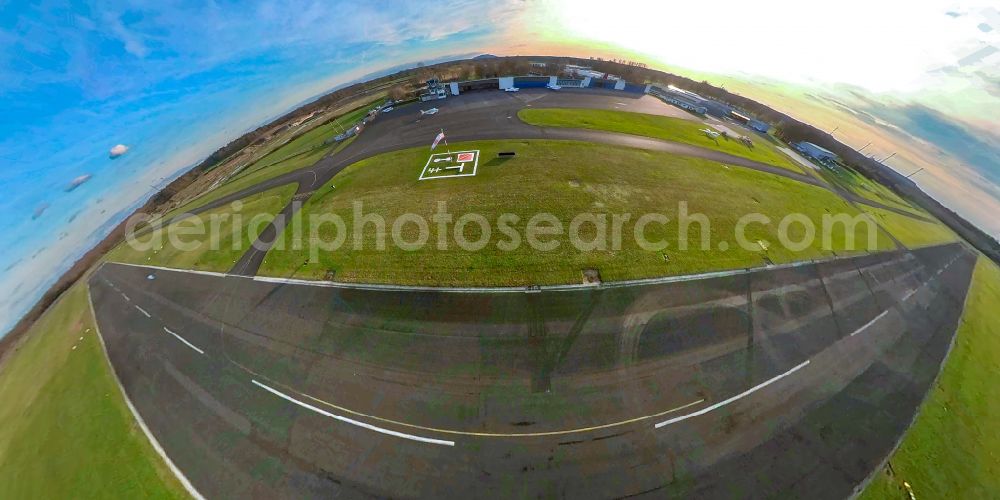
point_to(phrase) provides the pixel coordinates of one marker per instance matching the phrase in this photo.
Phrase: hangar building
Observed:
(685, 99)
(814, 151)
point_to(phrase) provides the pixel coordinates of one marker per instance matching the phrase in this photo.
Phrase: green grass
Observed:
(66, 432)
(251, 180)
(258, 207)
(913, 233)
(308, 141)
(860, 185)
(301, 152)
(658, 127)
(953, 448)
(565, 179)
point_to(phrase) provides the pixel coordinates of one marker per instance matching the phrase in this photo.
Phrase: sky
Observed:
(175, 81)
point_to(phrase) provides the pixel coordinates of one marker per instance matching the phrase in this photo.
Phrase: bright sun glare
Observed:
(890, 47)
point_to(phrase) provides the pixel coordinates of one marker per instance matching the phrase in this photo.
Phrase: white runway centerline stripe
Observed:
(182, 339)
(870, 323)
(126, 297)
(724, 402)
(143, 311)
(351, 421)
(910, 294)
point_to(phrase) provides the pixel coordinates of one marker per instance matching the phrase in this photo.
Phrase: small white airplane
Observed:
(511, 89)
(710, 133)
(431, 111)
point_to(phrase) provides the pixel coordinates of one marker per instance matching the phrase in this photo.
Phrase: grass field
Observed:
(251, 180)
(308, 141)
(953, 448)
(911, 232)
(862, 186)
(258, 207)
(659, 127)
(564, 179)
(66, 431)
(299, 153)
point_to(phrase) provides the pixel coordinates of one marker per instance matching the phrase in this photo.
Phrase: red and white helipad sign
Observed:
(457, 164)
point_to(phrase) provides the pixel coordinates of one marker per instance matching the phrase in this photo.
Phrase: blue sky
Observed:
(176, 81)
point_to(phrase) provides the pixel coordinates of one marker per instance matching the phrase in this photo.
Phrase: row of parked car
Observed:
(550, 86)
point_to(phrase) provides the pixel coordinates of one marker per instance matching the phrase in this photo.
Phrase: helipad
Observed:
(451, 164)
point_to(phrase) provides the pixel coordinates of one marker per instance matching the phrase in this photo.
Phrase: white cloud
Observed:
(133, 42)
(118, 150)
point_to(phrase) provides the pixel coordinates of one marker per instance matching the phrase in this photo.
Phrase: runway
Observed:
(787, 381)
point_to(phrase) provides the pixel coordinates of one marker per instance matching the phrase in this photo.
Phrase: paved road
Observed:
(792, 381)
(484, 116)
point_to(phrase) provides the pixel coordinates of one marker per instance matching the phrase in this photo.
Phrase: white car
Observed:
(431, 111)
(553, 86)
(511, 89)
(388, 109)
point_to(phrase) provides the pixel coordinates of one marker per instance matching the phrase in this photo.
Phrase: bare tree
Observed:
(506, 67)
(397, 93)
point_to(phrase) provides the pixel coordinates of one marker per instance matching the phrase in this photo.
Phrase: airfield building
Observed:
(759, 126)
(816, 152)
(435, 90)
(679, 99)
(740, 118)
(690, 101)
(750, 122)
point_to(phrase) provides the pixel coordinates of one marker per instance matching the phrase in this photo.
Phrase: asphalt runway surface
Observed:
(490, 115)
(787, 381)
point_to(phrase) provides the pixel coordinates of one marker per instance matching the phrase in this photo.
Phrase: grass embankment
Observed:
(860, 185)
(308, 142)
(913, 233)
(659, 127)
(564, 179)
(248, 181)
(211, 249)
(66, 432)
(301, 152)
(953, 448)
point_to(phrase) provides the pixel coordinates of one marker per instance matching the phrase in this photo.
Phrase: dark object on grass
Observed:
(506, 154)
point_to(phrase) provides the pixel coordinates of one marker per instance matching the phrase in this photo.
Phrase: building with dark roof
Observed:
(685, 99)
(817, 152)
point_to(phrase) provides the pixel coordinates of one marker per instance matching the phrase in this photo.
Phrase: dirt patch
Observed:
(591, 277)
